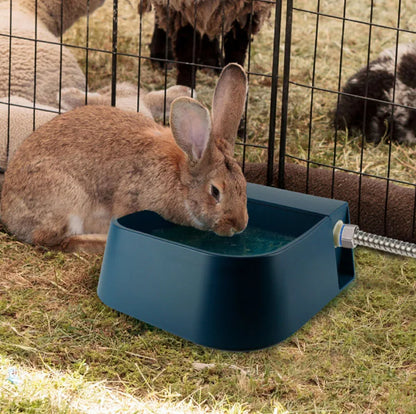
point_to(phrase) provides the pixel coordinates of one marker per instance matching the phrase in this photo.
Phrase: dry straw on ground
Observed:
(74, 355)
(310, 131)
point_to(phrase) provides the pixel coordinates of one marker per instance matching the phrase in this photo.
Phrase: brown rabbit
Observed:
(77, 171)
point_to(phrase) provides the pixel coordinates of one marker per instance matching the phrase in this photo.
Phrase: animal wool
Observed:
(376, 116)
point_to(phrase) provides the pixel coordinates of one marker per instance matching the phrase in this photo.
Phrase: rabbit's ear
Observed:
(228, 102)
(191, 126)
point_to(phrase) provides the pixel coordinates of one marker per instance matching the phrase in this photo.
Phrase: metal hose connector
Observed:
(385, 244)
(349, 236)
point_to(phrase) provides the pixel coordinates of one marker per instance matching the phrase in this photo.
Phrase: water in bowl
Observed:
(252, 241)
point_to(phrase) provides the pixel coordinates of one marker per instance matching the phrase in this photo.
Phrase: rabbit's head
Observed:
(216, 188)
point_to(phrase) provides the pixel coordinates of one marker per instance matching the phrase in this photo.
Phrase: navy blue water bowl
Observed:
(242, 293)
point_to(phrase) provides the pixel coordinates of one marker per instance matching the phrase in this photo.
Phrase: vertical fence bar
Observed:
(315, 52)
(285, 94)
(273, 97)
(9, 86)
(35, 65)
(222, 33)
(396, 59)
(61, 52)
(370, 31)
(139, 62)
(87, 45)
(245, 117)
(167, 37)
(194, 40)
(341, 57)
(114, 56)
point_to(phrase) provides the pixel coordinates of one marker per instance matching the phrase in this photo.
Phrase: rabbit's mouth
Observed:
(231, 226)
(228, 231)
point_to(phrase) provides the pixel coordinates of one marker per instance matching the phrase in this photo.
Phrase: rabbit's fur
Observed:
(77, 171)
(378, 85)
(19, 121)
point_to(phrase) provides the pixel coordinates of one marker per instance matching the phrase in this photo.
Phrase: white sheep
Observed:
(18, 116)
(55, 66)
(154, 104)
(237, 20)
(50, 75)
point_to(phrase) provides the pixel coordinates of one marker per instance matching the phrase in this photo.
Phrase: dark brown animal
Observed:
(194, 27)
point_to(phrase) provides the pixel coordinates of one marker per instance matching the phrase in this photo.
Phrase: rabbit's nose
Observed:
(239, 225)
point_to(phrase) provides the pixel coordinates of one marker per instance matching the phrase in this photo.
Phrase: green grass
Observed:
(73, 353)
(358, 355)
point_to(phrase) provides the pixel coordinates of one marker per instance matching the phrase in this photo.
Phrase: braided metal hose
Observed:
(350, 236)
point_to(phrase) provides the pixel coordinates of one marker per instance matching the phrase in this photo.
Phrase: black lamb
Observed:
(369, 94)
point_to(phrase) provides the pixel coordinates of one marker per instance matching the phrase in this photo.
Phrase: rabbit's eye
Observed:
(215, 193)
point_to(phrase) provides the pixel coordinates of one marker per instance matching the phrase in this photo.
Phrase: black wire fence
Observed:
(369, 44)
(314, 49)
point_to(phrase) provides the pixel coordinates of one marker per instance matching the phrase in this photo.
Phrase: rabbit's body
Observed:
(84, 190)
(77, 171)
(19, 121)
(378, 84)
